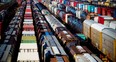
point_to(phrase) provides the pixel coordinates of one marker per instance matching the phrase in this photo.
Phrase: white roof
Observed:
(28, 20)
(22, 56)
(80, 48)
(27, 12)
(65, 32)
(28, 46)
(98, 27)
(28, 6)
(89, 57)
(113, 24)
(107, 17)
(28, 32)
(54, 22)
(110, 32)
(68, 36)
(55, 50)
(80, 58)
(44, 11)
(96, 19)
(89, 22)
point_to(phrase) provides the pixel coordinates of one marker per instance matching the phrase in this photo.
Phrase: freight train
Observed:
(67, 38)
(6, 10)
(12, 35)
(68, 13)
(91, 32)
(51, 50)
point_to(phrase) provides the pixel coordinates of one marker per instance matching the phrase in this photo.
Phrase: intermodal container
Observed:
(109, 43)
(87, 27)
(96, 35)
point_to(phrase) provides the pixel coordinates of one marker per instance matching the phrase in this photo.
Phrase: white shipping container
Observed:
(72, 4)
(28, 33)
(87, 27)
(96, 10)
(28, 12)
(78, 13)
(55, 10)
(89, 57)
(55, 50)
(80, 48)
(50, 6)
(96, 35)
(28, 20)
(66, 17)
(81, 58)
(113, 24)
(67, 8)
(52, 9)
(96, 58)
(85, 7)
(96, 19)
(84, 58)
(30, 56)
(28, 46)
(28, 6)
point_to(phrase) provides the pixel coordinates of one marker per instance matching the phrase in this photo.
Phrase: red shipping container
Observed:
(28, 10)
(109, 12)
(99, 10)
(28, 27)
(101, 20)
(28, 15)
(104, 11)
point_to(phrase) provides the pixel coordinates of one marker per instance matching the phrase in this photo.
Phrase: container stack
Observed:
(28, 50)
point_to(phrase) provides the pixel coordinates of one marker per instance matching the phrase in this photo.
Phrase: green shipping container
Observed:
(28, 41)
(89, 8)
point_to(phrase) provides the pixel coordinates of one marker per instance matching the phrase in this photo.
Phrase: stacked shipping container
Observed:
(28, 50)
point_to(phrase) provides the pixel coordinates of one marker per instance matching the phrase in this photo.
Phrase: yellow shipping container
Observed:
(109, 43)
(28, 38)
(96, 35)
